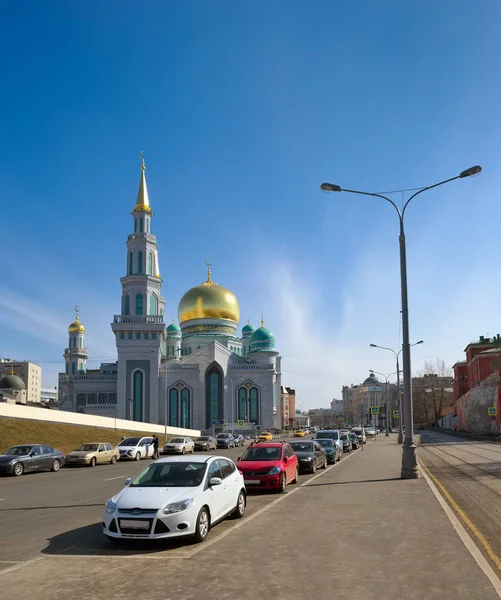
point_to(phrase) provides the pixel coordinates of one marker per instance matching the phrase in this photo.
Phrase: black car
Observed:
(347, 444)
(225, 440)
(310, 455)
(239, 440)
(27, 458)
(355, 442)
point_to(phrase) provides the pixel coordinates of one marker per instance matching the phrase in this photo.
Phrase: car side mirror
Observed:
(239, 458)
(127, 481)
(215, 481)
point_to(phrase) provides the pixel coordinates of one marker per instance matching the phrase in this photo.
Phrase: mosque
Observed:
(198, 374)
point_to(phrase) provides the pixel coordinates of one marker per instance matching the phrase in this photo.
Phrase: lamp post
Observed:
(409, 455)
(386, 377)
(232, 405)
(400, 412)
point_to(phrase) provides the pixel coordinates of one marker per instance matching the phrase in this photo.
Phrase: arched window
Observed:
(81, 343)
(137, 395)
(140, 261)
(131, 263)
(173, 412)
(73, 368)
(153, 305)
(126, 307)
(254, 405)
(242, 404)
(213, 395)
(81, 367)
(150, 263)
(67, 368)
(135, 225)
(139, 304)
(162, 312)
(185, 408)
(141, 224)
(147, 226)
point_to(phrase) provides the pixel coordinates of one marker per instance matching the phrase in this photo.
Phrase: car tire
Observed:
(296, 476)
(56, 465)
(314, 468)
(113, 460)
(18, 469)
(202, 526)
(92, 462)
(283, 484)
(183, 451)
(325, 464)
(138, 456)
(239, 511)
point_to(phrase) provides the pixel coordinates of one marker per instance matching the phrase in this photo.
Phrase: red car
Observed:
(269, 466)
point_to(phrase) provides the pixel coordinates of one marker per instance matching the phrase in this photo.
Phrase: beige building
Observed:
(288, 407)
(29, 372)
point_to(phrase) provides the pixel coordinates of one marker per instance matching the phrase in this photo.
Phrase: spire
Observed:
(209, 272)
(142, 202)
(262, 320)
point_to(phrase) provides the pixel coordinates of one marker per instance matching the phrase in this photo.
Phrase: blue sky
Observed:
(243, 109)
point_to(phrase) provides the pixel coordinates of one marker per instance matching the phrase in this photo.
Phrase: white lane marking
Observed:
(10, 562)
(465, 538)
(21, 565)
(112, 478)
(2, 499)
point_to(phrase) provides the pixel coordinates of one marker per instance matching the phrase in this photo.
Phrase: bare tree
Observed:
(432, 391)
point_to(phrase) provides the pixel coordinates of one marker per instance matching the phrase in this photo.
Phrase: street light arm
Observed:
(429, 187)
(385, 348)
(400, 215)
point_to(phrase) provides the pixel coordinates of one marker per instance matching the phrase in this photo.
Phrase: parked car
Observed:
(360, 433)
(299, 433)
(265, 436)
(178, 496)
(239, 440)
(370, 432)
(92, 454)
(225, 440)
(205, 442)
(347, 445)
(136, 448)
(27, 458)
(355, 443)
(311, 456)
(270, 466)
(330, 448)
(334, 435)
(179, 445)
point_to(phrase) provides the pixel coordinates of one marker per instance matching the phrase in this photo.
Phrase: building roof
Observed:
(11, 382)
(142, 202)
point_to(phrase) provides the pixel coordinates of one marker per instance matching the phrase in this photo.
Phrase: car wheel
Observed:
(325, 464)
(202, 525)
(296, 476)
(314, 467)
(56, 465)
(92, 462)
(138, 456)
(239, 511)
(283, 484)
(113, 460)
(183, 451)
(18, 469)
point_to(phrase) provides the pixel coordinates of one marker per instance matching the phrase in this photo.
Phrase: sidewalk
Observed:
(357, 532)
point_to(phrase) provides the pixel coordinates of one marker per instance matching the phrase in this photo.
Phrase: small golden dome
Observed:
(209, 301)
(76, 326)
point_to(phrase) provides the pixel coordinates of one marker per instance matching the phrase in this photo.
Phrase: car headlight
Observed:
(176, 507)
(110, 507)
(130, 452)
(274, 471)
(307, 458)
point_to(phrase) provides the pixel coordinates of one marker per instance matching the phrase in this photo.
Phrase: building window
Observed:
(67, 368)
(141, 225)
(153, 336)
(138, 335)
(126, 306)
(173, 394)
(147, 226)
(242, 404)
(254, 405)
(81, 368)
(150, 263)
(122, 335)
(185, 408)
(81, 342)
(131, 263)
(153, 305)
(73, 368)
(137, 398)
(146, 335)
(140, 261)
(139, 304)
(129, 335)
(214, 395)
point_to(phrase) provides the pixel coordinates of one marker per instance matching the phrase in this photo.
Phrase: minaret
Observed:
(76, 354)
(140, 328)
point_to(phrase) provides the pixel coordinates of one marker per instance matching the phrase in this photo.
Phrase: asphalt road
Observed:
(470, 472)
(61, 513)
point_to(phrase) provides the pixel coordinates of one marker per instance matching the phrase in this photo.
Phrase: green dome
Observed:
(174, 327)
(12, 382)
(248, 328)
(263, 334)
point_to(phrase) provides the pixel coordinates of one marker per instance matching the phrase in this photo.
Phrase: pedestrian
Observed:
(155, 454)
(455, 427)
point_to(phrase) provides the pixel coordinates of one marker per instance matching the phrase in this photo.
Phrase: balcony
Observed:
(246, 367)
(164, 368)
(76, 351)
(141, 236)
(139, 320)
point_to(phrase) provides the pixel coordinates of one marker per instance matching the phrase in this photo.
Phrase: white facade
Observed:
(197, 375)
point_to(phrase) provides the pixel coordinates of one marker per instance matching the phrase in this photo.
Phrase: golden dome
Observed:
(209, 301)
(76, 326)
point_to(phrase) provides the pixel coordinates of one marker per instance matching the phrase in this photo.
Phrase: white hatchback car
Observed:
(136, 448)
(176, 496)
(179, 445)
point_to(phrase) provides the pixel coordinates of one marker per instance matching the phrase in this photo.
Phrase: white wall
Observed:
(57, 416)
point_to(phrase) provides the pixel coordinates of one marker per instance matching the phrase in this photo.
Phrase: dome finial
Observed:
(11, 370)
(141, 156)
(75, 308)
(209, 272)
(142, 201)
(262, 320)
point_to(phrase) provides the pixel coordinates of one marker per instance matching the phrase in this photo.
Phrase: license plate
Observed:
(134, 524)
(252, 481)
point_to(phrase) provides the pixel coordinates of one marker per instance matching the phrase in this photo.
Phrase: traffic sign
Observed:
(374, 410)
(241, 423)
(493, 417)
(492, 411)
(396, 414)
(218, 422)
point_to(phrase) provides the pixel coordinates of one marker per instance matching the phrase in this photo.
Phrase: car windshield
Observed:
(333, 435)
(353, 436)
(171, 474)
(223, 436)
(176, 441)
(344, 437)
(130, 442)
(203, 439)
(262, 453)
(302, 446)
(357, 431)
(18, 451)
(88, 448)
(326, 442)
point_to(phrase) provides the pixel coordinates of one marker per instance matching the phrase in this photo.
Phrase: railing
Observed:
(245, 367)
(148, 320)
(141, 236)
(92, 377)
(80, 350)
(178, 368)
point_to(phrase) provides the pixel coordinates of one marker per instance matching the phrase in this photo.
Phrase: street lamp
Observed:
(400, 412)
(409, 455)
(386, 394)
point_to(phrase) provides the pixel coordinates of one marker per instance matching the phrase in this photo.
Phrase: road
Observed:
(470, 473)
